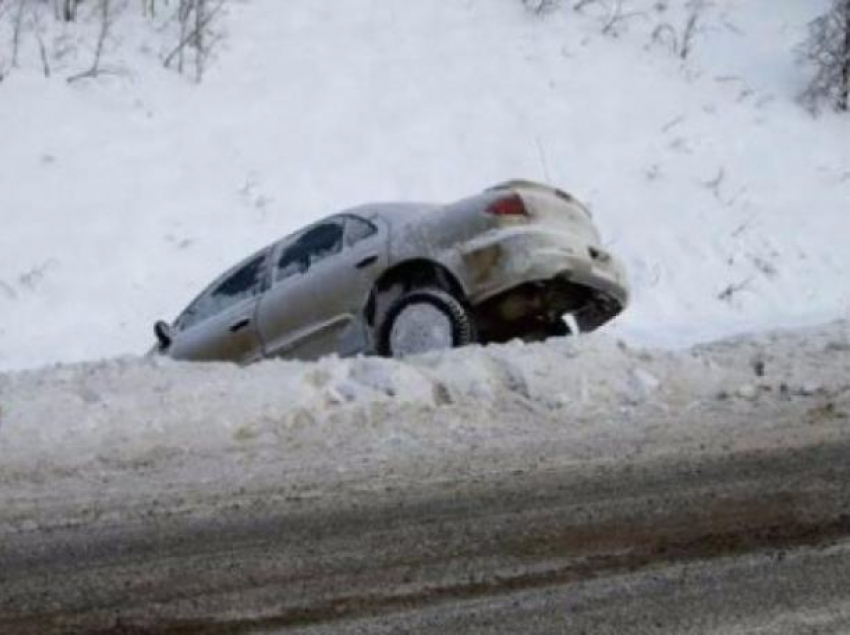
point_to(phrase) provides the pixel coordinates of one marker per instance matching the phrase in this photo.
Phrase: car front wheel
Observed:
(424, 320)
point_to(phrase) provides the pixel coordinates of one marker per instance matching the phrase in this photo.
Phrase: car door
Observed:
(220, 324)
(320, 282)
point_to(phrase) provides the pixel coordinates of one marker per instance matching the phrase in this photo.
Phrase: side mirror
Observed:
(162, 330)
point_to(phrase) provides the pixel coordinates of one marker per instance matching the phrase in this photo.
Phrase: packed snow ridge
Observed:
(144, 424)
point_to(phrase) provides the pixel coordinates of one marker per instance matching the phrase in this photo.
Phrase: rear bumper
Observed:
(512, 257)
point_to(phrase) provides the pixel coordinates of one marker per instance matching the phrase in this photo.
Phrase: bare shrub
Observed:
(694, 14)
(68, 10)
(615, 14)
(106, 19)
(197, 35)
(681, 41)
(827, 50)
(541, 7)
(618, 15)
(187, 31)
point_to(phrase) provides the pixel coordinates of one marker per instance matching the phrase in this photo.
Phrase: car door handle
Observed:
(370, 260)
(239, 325)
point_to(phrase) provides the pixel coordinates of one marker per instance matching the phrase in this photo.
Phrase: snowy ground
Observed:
(121, 197)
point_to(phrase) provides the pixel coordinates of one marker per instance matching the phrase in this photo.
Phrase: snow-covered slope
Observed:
(121, 197)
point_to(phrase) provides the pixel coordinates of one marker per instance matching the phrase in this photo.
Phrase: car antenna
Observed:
(541, 153)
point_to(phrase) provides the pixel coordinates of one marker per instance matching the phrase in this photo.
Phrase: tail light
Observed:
(511, 205)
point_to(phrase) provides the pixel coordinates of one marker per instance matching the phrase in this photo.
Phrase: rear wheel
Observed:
(424, 320)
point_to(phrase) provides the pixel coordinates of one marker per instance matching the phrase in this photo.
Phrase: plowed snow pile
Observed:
(87, 439)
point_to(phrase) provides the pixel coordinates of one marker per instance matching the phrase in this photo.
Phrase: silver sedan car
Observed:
(397, 279)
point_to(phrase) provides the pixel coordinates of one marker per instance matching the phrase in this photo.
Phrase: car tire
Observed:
(429, 319)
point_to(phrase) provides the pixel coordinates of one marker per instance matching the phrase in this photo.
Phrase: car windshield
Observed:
(242, 283)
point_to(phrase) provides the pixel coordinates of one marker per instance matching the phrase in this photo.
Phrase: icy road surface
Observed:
(575, 484)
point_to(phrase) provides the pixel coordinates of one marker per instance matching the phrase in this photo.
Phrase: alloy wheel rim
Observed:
(420, 328)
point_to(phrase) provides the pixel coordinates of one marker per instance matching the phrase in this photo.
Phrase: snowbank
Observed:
(103, 434)
(121, 197)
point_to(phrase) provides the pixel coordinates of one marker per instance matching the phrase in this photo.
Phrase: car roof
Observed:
(531, 185)
(393, 212)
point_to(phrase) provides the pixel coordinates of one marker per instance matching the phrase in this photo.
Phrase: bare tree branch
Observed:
(200, 27)
(16, 36)
(827, 49)
(618, 16)
(695, 9)
(541, 7)
(105, 26)
(42, 49)
(190, 38)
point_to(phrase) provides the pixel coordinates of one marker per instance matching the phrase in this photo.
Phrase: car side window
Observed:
(243, 283)
(357, 229)
(293, 259)
(312, 246)
(322, 241)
